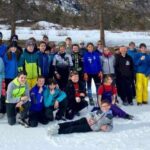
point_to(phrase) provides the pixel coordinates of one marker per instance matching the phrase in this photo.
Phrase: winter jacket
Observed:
(132, 54)
(142, 66)
(62, 61)
(92, 63)
(37, 99)
(30, 63)
(108, 64)
(43, 63)
(11, 66)
(49, 99)
(3, 49)
(15, 91)
(70, 91)
(77, 62)
(124, 67)
(101, 118)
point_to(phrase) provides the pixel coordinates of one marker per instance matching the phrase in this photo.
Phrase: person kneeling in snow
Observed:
(96, 121)
(108, 92)
(18, 98)
(54, 99)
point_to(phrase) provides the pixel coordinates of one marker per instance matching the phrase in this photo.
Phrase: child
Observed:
(92, 69)
(11, 59)
(99, 121)
(142, 62)
(63, 64)
(43, 61)
(75, 95)
(108, 92)
(36, 113)
(77, 61)
(1, 81)
(29, 62)
(18, 97)
(54, 99)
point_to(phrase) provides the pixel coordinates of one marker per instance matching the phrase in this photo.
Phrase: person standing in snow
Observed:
(142, 62)
(92, 69)
(68, 45)
(124, 68)
(63, 65)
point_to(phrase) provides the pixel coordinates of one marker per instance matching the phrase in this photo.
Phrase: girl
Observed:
(108, 92)
(11, 63)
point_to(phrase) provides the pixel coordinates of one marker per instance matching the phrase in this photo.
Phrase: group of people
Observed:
(44, 78)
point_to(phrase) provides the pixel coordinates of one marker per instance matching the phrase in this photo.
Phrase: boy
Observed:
(36, 113)
(99, 121)
(54, 99)
(75, 95)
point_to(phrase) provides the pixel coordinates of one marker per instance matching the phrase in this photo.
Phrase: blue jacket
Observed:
(49, 99)
(11, 66)
(36, 99)
(142, 66)
(44, 64)
(92, 63)
(3, 49)
(132, 54)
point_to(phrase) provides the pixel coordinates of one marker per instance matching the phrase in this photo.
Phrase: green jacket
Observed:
(30, 63)
(15, 91)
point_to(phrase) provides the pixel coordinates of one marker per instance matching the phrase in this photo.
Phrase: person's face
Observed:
(75, 78)
(105, 107)
(123, 50)
(52, 86)
(81, 45)
(62, 49)
(68, 42)
(143, 49)
(106, 51)
(75, 49)
(45, 40)
(42, 47)
(109, 81)
(22, 79)
(132, 46)
(100, 45)
(90, 48)
(13, 49)
(40, 82)
(30, 48)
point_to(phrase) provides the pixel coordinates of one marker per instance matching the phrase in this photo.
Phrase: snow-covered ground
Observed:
(126, 135)
(58, 33)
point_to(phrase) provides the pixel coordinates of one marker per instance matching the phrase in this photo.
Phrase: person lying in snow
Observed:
(96, 121)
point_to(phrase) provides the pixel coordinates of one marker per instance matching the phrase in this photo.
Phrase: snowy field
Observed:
(126, 135)
(58, 33)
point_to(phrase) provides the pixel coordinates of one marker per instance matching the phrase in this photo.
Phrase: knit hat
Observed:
(62, 44)
(14, 37)
(1, 35)
(13, 44)
(30, 43)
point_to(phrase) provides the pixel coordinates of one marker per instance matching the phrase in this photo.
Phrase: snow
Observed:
(126, 135)
(58, 33)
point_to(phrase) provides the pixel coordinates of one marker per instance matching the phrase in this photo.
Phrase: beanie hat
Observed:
(62, 44)
(30, 43)
(14, 37)
(13, 44)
